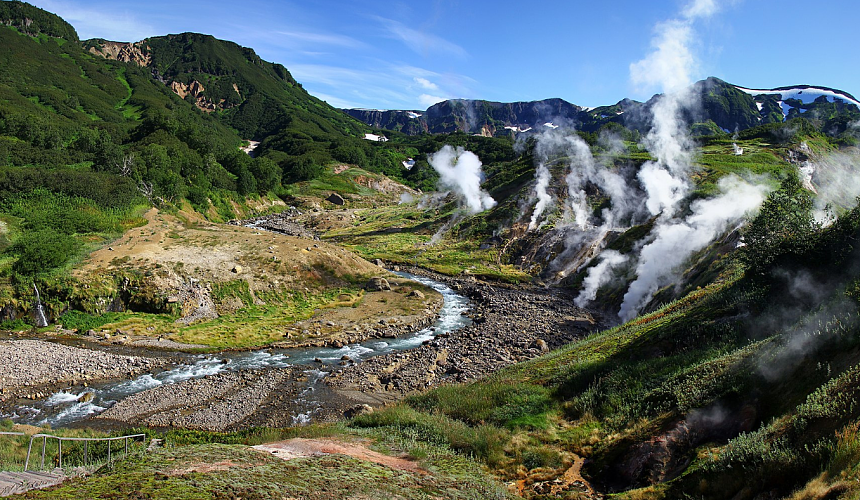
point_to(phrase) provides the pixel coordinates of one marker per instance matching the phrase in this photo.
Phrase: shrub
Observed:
(41, 251)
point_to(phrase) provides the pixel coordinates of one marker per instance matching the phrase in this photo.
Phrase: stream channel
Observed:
(65, 408)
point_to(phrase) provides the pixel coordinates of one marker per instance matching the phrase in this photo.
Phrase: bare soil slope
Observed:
(243, 287)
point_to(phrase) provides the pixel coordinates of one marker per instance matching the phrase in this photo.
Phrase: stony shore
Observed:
(282, 223)
(216, 403)
(510, 324)
(34, 365)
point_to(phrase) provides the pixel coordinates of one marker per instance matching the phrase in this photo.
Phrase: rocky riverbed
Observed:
(217, 402)
(30, 368)
(282, 223)
(510, 324)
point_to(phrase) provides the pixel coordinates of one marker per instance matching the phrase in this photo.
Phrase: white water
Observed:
(64, 408)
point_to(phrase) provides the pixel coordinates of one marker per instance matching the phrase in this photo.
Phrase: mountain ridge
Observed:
(729, 107)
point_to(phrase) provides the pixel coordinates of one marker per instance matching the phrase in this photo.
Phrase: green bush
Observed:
(41, 251)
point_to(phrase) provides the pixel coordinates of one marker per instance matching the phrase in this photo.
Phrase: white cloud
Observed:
(428, 100)
(425, 83)
(330, 75)
(421, 42)
(335, 101)
(700, 8)
(382, 85)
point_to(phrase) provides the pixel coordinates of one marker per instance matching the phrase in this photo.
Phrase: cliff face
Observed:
(137, 52)
(140, 53)
(408, 122)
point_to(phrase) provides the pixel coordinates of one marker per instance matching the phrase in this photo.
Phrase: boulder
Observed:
(360, 409)
(378, 285)
(417, 293)
(540, 345)
(336, 199)
(236, 269)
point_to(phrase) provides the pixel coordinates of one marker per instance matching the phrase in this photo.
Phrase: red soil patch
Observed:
(300, 447)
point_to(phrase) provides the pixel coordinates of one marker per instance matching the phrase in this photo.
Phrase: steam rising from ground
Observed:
(668, 67)
(599, 275)
(544, 199)
(678, 240)
(836, 177)
(460, 172)
(660, 185)
(666, 180)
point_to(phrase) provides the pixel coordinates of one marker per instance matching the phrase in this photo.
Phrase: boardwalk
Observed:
(19, 482)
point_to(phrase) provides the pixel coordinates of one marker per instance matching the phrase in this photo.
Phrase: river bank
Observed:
(32, 369)
(509, 324)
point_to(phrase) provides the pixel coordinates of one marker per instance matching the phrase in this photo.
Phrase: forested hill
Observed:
(256, 97)
(167, 113)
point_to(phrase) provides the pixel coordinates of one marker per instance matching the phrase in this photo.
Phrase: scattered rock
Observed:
(236, 269)
(540, 344)
(336, 199)
(361, 409)
(378, 285)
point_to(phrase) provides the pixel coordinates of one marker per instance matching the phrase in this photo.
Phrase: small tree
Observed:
(785, 226)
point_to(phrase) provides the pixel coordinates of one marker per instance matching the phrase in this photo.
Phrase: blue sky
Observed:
(409, 54)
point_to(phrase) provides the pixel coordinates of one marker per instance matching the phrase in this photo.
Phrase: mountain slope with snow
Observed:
(723, 107)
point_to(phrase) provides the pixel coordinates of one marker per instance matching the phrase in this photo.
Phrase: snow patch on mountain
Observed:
(804, 94)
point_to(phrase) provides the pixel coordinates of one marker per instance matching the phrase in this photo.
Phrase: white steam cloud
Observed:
(599, 275)
(836, 179)
(677, 241)
(460, 172)
(669, 67)
(544, 199)
(585, 230)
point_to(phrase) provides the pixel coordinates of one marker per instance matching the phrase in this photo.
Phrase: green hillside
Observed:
(739, 378)
(115, 136)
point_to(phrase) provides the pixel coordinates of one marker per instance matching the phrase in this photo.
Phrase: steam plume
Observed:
(598, 276)
(669, 67)
(460, 172)
(836, 178)
(676, 241)
(544, 199)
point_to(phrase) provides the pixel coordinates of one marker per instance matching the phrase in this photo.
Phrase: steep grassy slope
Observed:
(255, 97)
(753, 373)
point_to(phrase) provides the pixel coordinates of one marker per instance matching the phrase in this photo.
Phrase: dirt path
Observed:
(301, 447)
